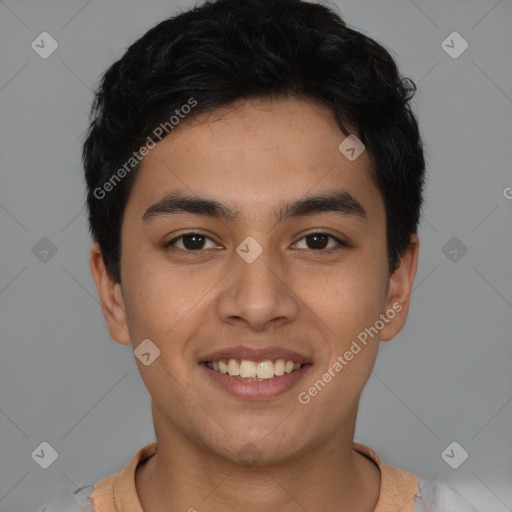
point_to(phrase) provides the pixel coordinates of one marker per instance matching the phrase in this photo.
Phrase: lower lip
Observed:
(256, 390)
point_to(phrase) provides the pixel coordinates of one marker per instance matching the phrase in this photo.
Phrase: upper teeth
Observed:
(266, 369)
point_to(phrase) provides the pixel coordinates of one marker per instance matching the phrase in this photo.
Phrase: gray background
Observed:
(445, 378)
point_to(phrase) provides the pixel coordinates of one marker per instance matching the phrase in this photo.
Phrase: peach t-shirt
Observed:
(117, 493)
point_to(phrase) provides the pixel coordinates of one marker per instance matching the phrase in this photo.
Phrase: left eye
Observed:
(321, 240)
(195, 242)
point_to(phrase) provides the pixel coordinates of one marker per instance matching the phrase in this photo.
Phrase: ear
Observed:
(399, 291)
(111, 297)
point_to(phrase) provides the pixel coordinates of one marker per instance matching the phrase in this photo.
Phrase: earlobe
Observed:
(399, 291)
(111, 297)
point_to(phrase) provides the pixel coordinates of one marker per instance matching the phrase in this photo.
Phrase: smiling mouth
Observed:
(254, 371)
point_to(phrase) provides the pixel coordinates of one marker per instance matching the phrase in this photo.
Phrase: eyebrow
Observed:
(339, 202)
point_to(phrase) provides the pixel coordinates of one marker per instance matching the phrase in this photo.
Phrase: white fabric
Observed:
(65, 501)
(438, 497)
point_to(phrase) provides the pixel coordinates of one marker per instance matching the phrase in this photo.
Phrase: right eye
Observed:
(192, 242)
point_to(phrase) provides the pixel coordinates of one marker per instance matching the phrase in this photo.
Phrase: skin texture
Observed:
(255, 156)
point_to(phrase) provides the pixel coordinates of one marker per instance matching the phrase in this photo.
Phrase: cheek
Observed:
(347, 298)
(160, 308)
(153, 304)
(349, 307)
(167, 302)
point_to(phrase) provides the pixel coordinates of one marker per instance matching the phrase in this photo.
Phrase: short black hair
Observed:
(226, 50)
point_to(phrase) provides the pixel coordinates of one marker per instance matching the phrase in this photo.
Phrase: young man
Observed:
(255, 180)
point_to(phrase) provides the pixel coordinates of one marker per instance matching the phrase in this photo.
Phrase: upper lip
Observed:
(255, 354)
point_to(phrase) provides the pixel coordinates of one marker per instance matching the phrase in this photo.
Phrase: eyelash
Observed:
(171, 244)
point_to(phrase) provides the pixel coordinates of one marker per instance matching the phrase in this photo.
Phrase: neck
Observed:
(184, 476)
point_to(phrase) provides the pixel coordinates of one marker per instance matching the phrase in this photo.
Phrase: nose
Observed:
(258, 293)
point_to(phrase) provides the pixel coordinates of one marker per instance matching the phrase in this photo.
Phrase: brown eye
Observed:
(190, 242)
(319, 241)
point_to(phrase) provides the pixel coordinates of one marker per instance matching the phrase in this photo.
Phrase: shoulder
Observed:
(66, 500)
(439, 497)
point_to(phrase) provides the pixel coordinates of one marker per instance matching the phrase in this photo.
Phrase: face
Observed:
(262, 275)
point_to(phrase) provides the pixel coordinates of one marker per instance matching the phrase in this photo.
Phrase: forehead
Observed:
(255, 155)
